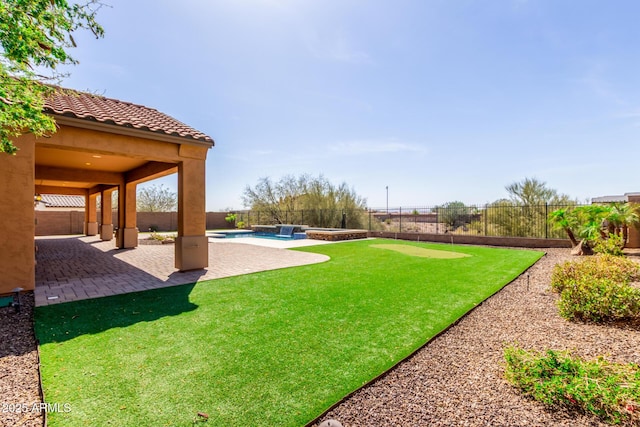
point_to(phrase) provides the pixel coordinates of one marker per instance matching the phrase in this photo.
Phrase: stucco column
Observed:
(106, 230)
(192, 244)
(127, 231)
(17, 227)
(90, 214)
(634, 231)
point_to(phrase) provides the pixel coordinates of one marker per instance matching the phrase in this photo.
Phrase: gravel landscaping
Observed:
(455, 380)
(19, 377)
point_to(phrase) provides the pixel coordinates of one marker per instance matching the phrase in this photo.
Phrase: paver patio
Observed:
(72, 268)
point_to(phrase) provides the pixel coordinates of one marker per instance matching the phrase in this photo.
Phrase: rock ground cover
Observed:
(19, 376)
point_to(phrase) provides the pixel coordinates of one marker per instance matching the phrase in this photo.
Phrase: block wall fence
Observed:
(72, 222)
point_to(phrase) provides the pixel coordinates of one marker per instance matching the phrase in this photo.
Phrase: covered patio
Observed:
(102, 145)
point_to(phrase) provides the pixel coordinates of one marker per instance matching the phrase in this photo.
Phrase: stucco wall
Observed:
(17, 227)
(59, 223)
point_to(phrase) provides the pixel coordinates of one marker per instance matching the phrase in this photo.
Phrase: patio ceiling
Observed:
(91, 167)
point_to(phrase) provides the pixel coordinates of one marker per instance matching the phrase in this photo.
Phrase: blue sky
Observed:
(439, 100)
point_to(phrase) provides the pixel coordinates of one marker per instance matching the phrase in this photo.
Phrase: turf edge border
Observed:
(413, 353)
(40, 387)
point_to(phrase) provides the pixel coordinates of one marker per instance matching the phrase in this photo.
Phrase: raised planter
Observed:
(336, 235)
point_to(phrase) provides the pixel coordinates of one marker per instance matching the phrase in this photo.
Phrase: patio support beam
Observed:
(106, 214)
(52, 189)
(90, 214)
(127, 236)
(192, 244)
(98, 189)
(151, 170)
(76, 175)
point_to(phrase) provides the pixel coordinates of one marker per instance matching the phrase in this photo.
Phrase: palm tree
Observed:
(622, 216)
(562, 219)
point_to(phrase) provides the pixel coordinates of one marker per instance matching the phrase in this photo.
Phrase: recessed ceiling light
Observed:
(88, 164)
(96, 156)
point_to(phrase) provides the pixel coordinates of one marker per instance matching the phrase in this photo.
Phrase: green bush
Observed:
(599, 300)
(162, 237)
(609, 390)
(618, 269)
(612, 245)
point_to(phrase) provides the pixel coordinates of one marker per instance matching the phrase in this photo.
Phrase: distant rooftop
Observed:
(613, 199)
(62, 201)
(86, 106)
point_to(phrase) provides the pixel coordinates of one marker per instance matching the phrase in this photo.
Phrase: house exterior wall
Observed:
(17, 227)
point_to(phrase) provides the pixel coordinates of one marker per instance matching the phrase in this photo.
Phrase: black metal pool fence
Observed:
(495, 219)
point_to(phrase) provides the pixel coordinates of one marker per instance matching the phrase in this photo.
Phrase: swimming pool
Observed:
(255, 234)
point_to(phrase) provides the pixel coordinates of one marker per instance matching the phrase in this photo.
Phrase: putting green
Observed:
(421, 252)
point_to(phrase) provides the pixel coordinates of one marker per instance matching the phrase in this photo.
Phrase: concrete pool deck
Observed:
(72, 268)
(271, 243)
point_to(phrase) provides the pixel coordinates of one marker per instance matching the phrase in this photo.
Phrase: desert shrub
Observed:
(609, 390)
(612, 245)
(162, 237)
(599, 300)
(231, 218)
(618, 269)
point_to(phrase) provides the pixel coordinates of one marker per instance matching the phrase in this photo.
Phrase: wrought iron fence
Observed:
(326, 218)
(495, 219)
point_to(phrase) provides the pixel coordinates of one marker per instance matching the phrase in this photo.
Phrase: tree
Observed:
(455, 214)
(562, 219)
(304, 200)
(620, 218)
(156, 199)
(531, 191)
(34, 38)
(525, 212)
(603, 227)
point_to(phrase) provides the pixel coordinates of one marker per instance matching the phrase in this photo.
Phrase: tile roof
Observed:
(62, 201)
(87, 106)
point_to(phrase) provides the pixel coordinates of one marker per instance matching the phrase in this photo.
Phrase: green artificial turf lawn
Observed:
(274, 348)
(418, 251)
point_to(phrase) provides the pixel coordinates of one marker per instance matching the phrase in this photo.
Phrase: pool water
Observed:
(255, 234)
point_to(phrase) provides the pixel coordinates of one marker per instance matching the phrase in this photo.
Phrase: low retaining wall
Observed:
(335, 235)
(518, 242)
(275, 229)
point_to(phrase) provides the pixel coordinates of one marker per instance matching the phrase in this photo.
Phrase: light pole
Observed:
(387, 187)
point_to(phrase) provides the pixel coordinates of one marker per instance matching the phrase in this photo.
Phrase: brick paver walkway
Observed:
(75, 268)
